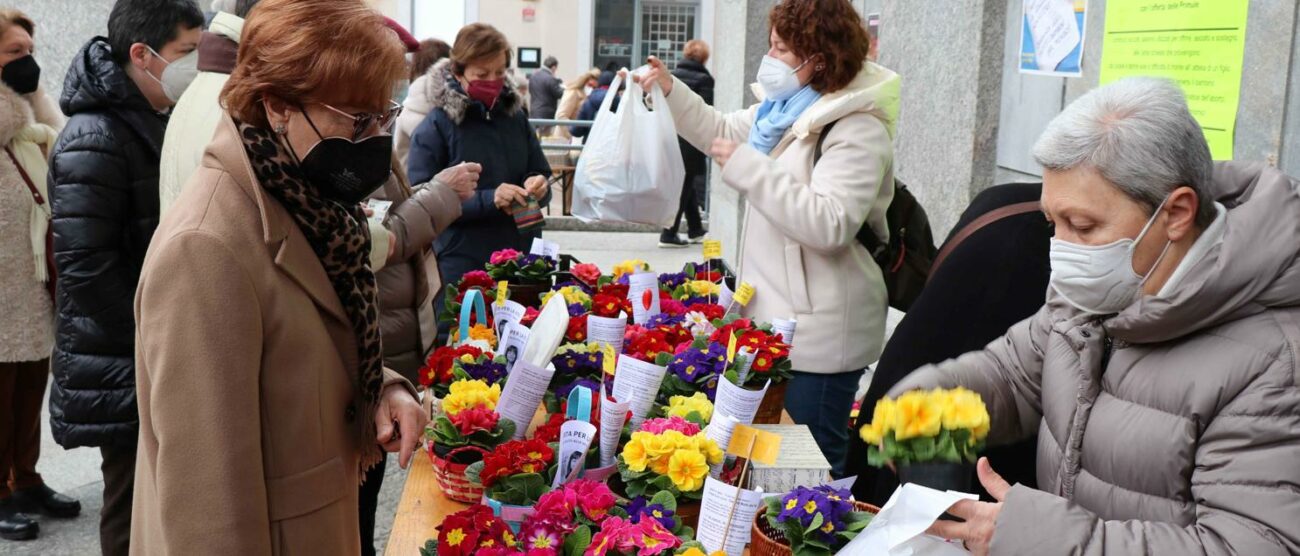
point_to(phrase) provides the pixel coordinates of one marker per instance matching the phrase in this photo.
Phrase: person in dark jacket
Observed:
(476, 117)
(971, 300)
(545, 89)
(103, 182)
(691, 71)
(592, 105)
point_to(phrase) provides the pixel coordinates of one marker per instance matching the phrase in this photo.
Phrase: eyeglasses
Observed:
(365, 121)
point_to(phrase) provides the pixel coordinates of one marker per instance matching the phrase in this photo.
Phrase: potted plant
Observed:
(768, 360)
(473, 530)
(439, 370)
(514, 476)
(468, 428)
(529, 275)
(454, 294)
(932, 437)
(815, 521)
(669, 454)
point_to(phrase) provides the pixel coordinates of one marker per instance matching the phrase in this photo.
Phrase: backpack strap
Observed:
(978, 224)
(865, 235)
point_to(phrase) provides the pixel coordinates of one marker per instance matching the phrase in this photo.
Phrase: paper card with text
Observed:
(712, 249)
(757, 445)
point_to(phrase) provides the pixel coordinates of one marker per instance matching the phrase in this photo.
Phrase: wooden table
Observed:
(423, 507)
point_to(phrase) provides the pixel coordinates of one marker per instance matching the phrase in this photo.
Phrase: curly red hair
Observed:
(832, 31)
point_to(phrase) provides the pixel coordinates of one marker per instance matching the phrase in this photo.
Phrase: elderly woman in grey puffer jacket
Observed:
(1161, 375)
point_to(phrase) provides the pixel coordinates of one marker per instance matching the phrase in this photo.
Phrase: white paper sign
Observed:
(575, 440)
(786, 329)
(724, 296)
(638, 284)
(719, 431)
(637, 383)
(738, 402)
(547, 332)
(612, 417)
(716, 509)
(505, 313)
(605, 330)
(1054, 30)
(512, 346)
(545, 248)
(380, 208)
(523, 394)
(745, 362)
(899, 528)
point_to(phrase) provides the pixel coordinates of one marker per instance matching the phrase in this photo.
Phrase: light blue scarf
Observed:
(776, 116)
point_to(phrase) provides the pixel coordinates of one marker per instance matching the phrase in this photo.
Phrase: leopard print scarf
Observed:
(339, 236)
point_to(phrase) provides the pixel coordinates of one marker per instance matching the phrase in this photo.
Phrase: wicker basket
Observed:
(766, 541)
(769, 410)
(451, 475)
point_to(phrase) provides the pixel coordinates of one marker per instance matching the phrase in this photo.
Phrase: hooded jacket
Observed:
(27, 322)
(697, 77)
(799, 246)
(104, 194)
(457, 130)
(1172, 427)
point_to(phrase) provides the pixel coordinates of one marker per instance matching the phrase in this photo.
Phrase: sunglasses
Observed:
(363, 122)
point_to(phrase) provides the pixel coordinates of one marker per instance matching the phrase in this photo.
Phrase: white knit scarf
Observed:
(29, 147)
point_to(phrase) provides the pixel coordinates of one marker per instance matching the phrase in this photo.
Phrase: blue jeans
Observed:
(823, 402)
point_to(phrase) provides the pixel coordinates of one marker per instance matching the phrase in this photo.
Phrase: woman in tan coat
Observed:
(799, 246)
(575, 93)
(262, 394)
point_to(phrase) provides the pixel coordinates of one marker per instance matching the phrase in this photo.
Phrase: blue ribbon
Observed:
(473, 301)
(580, 404)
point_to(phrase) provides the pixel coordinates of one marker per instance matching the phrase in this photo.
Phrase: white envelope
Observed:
(899, 528)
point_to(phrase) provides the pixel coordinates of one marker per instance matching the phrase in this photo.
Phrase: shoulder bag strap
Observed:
(36, 194)
(979, 223)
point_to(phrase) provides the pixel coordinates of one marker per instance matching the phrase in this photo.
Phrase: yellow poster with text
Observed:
(1197, 43)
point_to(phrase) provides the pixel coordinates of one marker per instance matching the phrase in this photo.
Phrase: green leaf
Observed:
(816, 522)
(665, 499)
(663, 359)
(577, 541)
(874, 457)
(474, 471)
(430, 548)
(924, 448)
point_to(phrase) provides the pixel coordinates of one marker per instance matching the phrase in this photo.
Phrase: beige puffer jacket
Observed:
(409, 281)
(1188, 441)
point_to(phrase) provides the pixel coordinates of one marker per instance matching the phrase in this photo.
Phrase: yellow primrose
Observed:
(703, 287)
(634, 454)
(469, 394)
(872, 434)
(681, 406)
(917, 415)
(963, 409)
(630, 266)
(571, 294)
(687, 470)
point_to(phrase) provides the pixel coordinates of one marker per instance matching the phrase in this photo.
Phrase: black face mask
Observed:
(22, 75)
(347, 171)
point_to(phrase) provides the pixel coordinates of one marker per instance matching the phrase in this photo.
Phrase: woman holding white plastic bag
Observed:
(799, 247)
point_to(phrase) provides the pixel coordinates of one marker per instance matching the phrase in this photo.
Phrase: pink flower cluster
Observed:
(674, 423)
(620, 536)
(503, 256)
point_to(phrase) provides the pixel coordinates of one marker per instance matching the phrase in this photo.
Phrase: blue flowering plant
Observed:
(816, 521)
(694, 369)
(662, 508)
(520, 268)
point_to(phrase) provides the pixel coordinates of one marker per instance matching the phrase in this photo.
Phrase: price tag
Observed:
(502, 287)
(712, 249)
(744, 293)
(731, 348)
(757, 445)
(608, 358)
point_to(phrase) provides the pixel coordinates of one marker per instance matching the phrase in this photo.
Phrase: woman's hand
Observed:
(537, 187)
(722, 150)
(981, 517)
(509, 194)
(657, 73)
(399, 422)
(461, 178)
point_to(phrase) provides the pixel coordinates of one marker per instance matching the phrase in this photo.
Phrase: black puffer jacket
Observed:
(697, 77)
(104, 192)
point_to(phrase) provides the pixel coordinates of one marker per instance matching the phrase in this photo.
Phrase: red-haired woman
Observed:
(262, 393)
(799, 249)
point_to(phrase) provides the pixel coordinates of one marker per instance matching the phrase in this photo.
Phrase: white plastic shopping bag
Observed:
(631, 167)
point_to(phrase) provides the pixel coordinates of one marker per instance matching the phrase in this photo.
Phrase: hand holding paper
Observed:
(981, 517)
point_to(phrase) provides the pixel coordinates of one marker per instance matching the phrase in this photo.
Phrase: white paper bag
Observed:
(631, 167)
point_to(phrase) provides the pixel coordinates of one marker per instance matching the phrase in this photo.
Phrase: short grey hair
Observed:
(1138, 134)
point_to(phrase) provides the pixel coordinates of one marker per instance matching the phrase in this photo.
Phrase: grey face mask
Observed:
(178, 75)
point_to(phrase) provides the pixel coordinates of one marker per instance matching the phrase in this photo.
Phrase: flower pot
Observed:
(769, 411)
(689, 514)
(529, 295)
(764, 540)
(513, 515)
(941, 475)
(600, 474)
(449, 471)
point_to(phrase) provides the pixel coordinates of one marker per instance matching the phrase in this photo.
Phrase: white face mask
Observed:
(778, 81)
(1100, 279)
(178, 74)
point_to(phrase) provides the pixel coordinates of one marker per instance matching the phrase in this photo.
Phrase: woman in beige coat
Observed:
(1161, 375)
(575, 93)
(262, 394)
(799, 248)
